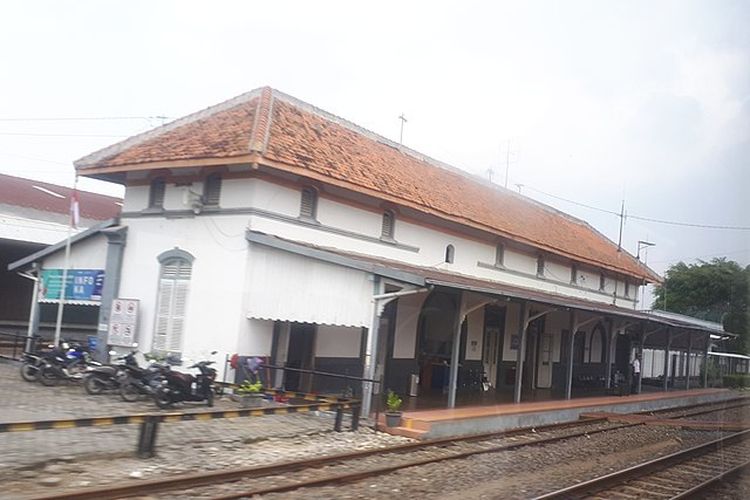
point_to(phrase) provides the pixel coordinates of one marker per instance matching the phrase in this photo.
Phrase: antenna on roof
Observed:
(403, 120)
(507, 162)
(490, 172)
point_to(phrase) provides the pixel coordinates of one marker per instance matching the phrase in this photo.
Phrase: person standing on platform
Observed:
(636, 375)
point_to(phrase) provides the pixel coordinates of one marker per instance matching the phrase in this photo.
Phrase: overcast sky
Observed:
(649, 101)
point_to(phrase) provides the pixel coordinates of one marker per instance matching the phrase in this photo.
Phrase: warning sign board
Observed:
(123, 320)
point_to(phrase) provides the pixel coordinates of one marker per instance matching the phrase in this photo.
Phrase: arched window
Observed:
(156, 193)
(450, 254)
(389, 225)
(171, 304)
(309, 203)
(212, 190)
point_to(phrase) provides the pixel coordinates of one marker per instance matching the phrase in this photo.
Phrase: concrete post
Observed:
(572, 327)
(33, 313)
(116, 239)
(666, 359)
(521, 352)
(689, 359)
(705, 361)
(455, 351)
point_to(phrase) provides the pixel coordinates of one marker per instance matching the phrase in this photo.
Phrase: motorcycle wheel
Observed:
(129, 392)
(210, 398)
(29, 372)
(162, 399)
(93, 385)
(48, 377)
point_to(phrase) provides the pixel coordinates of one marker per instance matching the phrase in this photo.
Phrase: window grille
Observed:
(174, 284)
(540, 266)
(389, 223)
(450, 254)
(156, 193)
(309, 203)
(574, 275)
(212, 190)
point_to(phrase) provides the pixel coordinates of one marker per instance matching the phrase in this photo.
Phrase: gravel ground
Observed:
(733, 488)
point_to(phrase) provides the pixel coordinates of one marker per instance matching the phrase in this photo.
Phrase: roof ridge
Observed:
(262, 123)
(168, 127)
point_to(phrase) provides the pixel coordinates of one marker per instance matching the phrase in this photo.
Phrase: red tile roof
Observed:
(29, 193)
(278, 131)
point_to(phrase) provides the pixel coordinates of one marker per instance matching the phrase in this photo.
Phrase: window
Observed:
(309, 203)
(174, 283)
(156, 193)
(540, 266)
(574, 275)
(499, 255)
(450, 254)
(212, 190)
(602, 282)
(389, 225)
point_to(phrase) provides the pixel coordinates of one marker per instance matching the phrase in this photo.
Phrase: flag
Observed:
(75, 215)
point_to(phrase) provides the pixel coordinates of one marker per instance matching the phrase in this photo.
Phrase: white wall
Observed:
(337, 342)
(407, 320)
(475, 334)
(90, 253)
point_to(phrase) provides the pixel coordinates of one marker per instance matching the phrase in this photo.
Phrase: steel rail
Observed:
(618, 478)
(187, 481)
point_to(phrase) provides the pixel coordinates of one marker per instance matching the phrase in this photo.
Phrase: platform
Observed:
(469, 420)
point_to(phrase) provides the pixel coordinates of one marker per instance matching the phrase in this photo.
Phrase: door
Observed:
(494, 328)
(300, 355)
(544, 365)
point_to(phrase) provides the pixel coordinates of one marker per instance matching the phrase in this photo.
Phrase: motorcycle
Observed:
(65, 363)
(178, 386)
(98, 379)
(32, 363)
(139, 381)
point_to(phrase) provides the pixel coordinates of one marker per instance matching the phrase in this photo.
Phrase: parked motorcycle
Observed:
(178, 386)
(98, 379)
(65, 363)
(142, 381)
(32, 363)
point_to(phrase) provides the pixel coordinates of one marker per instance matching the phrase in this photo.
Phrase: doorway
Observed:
(300, 354)
(494, 331)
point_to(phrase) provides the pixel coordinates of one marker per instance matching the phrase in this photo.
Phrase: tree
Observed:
(713, 291)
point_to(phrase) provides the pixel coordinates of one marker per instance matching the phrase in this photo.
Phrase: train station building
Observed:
(264, 226)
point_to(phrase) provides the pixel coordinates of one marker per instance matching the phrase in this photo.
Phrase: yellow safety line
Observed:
(104, 421)
(64, 424)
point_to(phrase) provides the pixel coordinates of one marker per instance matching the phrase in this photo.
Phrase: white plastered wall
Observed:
(337, 342)
(407, 321)
(90, 253)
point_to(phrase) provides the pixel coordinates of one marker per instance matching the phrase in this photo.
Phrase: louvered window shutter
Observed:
(389, 221)
(309, 202)
(172, 305)
(212, 190)
(156, 193)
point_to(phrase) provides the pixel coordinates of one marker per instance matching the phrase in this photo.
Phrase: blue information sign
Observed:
(81, 284)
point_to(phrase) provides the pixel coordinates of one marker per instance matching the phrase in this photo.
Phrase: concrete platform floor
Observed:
(467, 420)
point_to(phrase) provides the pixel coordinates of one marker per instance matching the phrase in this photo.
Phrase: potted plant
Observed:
(249, 394)
(393, 409)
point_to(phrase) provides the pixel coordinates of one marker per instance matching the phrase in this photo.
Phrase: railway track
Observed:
(679, 475)
(346, 467)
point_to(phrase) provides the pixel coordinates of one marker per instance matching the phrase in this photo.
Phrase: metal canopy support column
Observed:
(572, 327)
(371, 348)
(666, 359)
(640, 360)
(689, 361)
(523, 323)
(455, 351)
(705, 361)
(611, 332)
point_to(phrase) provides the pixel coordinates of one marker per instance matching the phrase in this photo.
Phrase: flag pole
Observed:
(73, 222)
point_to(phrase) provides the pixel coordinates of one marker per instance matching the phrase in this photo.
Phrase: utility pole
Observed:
(622, 223)
(403, 120)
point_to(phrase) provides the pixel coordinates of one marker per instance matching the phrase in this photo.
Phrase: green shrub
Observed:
(249, 388)
(736, 381)
(393, 402)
